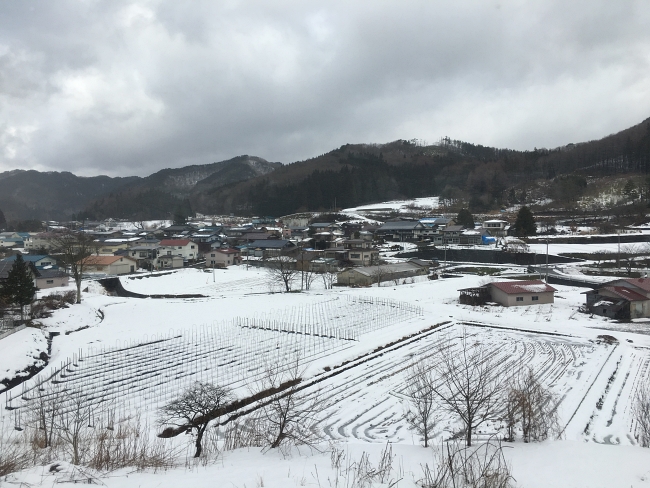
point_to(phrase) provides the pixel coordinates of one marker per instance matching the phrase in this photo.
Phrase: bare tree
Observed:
(455, 466)
(74, 249)
(281, 271)
(73, 421)
(307, 278)
(531, 406)
(378, 274)
(469, 384)
(330, 276)
(44, 410)
(641, 413)
(195, 408)
(421, 415)
(289, 417)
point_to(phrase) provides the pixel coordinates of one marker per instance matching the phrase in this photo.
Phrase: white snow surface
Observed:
(401, 206)
(227, 336)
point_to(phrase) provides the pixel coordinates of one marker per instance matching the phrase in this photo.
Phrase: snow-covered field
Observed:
(425, 204)
(355, 344)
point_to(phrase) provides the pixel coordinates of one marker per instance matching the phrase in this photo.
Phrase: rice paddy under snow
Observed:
(139, 353)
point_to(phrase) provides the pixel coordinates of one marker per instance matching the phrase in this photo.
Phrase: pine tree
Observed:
(3, 221)
(465, 218)
(525, 223)
(19, 287)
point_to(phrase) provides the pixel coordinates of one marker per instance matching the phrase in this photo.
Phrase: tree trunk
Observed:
(199, 438)
(78, 282)
(468, 438)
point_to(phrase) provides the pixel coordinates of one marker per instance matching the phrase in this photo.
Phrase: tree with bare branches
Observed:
(378, 274)
(469, 383)
(641, 413)
(281, 271)
(532, 407)
(422, 410)
(75, 249)
(329, 276)
(290, 416)
(195, 408)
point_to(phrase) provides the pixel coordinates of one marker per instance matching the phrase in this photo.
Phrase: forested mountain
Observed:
(51, 195)
(169, 191)
(59, 196)
(483, 177)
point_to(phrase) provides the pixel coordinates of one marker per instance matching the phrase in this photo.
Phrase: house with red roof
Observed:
(110, 265)
(510, 293)
(623, 299)
(222, 257)
(521, 293)
(185, 248)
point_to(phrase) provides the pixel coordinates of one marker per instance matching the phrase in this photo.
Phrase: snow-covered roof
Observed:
(517, 287)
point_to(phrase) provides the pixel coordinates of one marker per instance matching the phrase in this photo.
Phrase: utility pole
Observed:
(547, 260)
(618, 255)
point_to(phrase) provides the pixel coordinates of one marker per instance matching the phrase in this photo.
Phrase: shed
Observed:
(521, 293)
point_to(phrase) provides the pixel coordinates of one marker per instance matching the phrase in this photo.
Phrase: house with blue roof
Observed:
(40, 261)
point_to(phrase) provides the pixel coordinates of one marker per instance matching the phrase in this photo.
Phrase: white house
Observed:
(185, 248)
(496, 228)
(111, 265)
(222, 258)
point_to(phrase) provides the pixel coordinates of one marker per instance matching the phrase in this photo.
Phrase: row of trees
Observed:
(72, 250)
(469, 384)
(18, 288)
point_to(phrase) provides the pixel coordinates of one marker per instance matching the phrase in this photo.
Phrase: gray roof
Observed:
(51, 273)
(453, 228)
(386, 268)
(401, 225)
(270, 244)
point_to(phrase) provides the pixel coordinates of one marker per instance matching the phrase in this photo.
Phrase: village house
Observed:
(50, 278)
(451, 234)
(361, 252)
(111, 246)
(268, 248)
(368, 275)
(169, 262)
(110, 265)
(43, 241)
(185, 248)
(401, 230)
(39, 261)
(179, 230)
(623, 299)
(223, 257)
(509, 293)
(496, 227)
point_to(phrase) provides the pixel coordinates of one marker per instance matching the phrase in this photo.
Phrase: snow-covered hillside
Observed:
(355, 346)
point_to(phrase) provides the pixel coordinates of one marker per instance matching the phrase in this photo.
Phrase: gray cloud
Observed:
(130, 87)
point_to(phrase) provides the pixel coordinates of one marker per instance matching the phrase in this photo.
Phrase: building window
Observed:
(535, 298)
(520, 299)
(50, 282)
(211, 255)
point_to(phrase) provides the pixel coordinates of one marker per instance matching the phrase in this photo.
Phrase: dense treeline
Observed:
(461, 173)
(363, 178)
(138, 205)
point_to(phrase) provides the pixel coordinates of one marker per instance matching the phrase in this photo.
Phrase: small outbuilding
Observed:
(368, 275)
(509, 293)
(110, 265)
(518, 293)
(623, 299)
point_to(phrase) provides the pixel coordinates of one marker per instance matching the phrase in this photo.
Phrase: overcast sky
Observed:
(131, 87)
